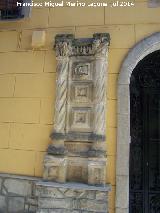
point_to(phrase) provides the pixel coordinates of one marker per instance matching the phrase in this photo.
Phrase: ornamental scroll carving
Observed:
(77, 152)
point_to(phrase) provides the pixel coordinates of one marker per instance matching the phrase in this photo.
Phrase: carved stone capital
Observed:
(100, 44)
(66, 45)
(63, 45)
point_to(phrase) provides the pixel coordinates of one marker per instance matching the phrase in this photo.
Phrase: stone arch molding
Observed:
(136, 54)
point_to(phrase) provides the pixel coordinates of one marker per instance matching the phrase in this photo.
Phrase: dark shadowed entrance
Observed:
(144, 182)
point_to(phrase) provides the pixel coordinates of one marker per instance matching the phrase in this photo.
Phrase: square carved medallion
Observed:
(80, 119)
(81, 71)
(81, 92)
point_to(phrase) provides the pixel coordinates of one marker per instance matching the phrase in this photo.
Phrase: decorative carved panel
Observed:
(80, 109)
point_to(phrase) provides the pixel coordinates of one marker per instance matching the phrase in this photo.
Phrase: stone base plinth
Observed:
(71, 198)
(22, 194)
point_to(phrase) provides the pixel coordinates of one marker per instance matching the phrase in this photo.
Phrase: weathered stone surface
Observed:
(18, 187)
(1, 183)
(55, 168)
(48, 192)
(101, 196)
(97, 171)
(32, 208)
(3, 204)
(42, 211)
(123, 188)
(70, 193)
(55, 203)
(4, 190)
(123, 159)
(124, 102)
(90, 194)
(63, 211)
(50, 197)
(92, 205)
(15, 204)
(79, 110)
(121, 210)
(91, 212)
(31, 200)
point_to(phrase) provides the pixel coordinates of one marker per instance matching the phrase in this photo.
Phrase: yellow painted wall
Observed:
(27, 78)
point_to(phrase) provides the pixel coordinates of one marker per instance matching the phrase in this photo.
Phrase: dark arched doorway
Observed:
(144, 165)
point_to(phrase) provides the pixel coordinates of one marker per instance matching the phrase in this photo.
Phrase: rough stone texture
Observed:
(17, 194)
(22, 194)
(49, 192)
(101, 196)
(78, 198)
(3, 204)
(15, 204)
(18, 187)
(51, 203)
(123, 160)
(118, 210)
(123, 104)
(1, 183)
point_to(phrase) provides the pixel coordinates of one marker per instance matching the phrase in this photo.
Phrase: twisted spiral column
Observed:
(61, 94)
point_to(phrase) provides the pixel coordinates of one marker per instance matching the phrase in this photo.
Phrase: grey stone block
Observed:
(26, 207)
(63, 211)
(18, 187)
(124, 99)
(123, 132)
(15, 204)
(80, 194)
(31, 201)
(120, 210)
(93, 205)
(91, 194)
(122, 196)
(48, 192)
(42, 211)
(101, 196)
(2, 203)
(51, 203)
(70, 193)
(4, 190)
(1, 183)
(32, 209)
(92, 212)
(123, 159)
